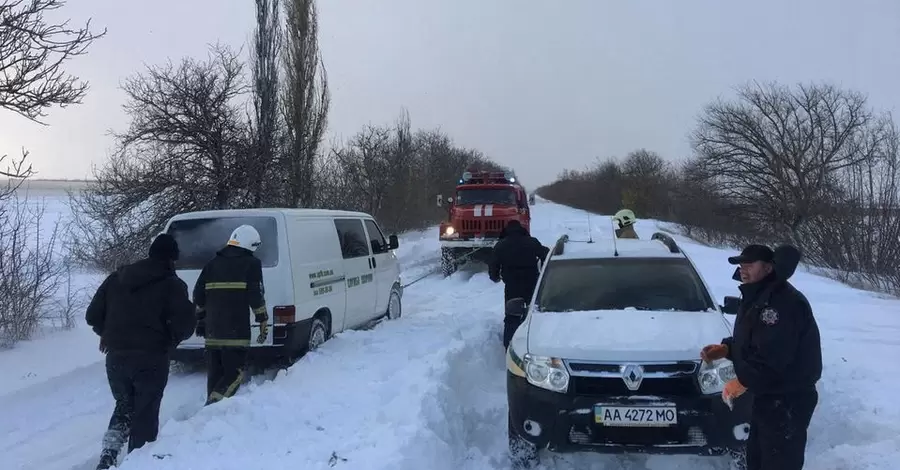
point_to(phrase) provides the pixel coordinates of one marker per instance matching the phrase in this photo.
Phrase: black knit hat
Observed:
(164, 248)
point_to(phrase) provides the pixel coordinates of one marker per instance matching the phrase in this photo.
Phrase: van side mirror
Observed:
(516, 307)
(393, 243)
(440, 200)
(731, 305)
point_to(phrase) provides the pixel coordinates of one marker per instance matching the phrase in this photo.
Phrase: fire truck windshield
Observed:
(485, 196)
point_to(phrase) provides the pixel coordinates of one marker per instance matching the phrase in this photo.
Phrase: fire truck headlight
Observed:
(449, 231)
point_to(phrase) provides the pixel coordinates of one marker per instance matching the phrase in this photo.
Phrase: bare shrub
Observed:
(642, 182)
(35, 282)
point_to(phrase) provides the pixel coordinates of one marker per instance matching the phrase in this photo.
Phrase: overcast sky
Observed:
(537, 85)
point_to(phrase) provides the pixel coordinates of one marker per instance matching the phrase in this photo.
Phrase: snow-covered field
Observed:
(426, 392)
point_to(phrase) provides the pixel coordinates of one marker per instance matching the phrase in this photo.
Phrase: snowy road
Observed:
(59, 423)
(428, 390)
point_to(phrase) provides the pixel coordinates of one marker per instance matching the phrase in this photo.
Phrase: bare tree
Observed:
(775, 150)
(33, 53)
(646, 190)
(306, 99)
(267, 43)
(187, 148)
(395, 173)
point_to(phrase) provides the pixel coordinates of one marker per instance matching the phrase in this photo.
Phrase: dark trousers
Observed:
(778, 426)
(137, 381)
(513, 290)
(225, 372)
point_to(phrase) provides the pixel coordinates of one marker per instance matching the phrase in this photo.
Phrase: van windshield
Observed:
(200, 239)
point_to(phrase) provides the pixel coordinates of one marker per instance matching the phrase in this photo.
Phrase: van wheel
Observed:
(318, 333)
(395, 306)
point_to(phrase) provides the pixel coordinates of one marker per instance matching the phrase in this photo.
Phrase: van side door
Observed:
(358, 269)
(386, 266)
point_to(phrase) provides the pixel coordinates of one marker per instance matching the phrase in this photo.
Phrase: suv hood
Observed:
(624, 335)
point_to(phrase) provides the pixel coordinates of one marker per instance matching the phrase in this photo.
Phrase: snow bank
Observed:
(384, 398)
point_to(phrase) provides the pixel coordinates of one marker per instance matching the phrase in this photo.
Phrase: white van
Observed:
(324, 271)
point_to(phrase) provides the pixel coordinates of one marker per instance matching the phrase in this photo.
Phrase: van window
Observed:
(375, 235)
(354, 242)
(200, 239)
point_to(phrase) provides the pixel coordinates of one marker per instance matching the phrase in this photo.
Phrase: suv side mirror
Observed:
(731, 305)
(516, 307)
(393, 243)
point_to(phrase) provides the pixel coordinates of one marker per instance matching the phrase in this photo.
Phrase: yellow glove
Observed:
(732, 390)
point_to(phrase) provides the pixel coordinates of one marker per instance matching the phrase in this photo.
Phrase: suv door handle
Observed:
(374, 263)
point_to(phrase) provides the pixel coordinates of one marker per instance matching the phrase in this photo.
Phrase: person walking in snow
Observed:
(141, 312)
(625, 220)
(777, 356)
(229, 286)
(515, 260)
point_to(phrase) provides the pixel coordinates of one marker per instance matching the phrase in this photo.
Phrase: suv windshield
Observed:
(622, 283)
(486, 196)
(200, 239)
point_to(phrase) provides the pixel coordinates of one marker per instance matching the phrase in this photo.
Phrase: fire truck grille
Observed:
(486, 226)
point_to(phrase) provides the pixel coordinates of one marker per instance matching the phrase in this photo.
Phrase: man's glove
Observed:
(103, 347)
(262, 318)
(495, 278)
(713, 352)
(200, 330)
(732, 390)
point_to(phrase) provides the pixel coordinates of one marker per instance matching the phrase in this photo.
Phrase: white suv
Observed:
(608, 357)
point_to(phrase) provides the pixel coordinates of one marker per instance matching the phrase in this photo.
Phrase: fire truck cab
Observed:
(485, 201)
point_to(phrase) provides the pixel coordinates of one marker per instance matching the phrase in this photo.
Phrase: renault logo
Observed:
(632, 375)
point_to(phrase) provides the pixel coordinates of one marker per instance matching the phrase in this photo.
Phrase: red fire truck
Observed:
(484, 203)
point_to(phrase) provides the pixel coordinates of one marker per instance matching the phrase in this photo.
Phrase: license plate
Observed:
(638, 416)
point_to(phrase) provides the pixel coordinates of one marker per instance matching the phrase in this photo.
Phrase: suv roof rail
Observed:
(666, 240)
(560, 245)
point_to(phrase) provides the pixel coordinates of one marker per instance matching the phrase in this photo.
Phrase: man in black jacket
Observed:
(228, 289)
(777, 357)
(141, 312)
(515, 260)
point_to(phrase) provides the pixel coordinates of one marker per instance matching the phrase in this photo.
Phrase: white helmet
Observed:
(245, 237)
(624, 218)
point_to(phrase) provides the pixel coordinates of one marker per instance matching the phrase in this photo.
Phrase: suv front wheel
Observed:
(522, 454)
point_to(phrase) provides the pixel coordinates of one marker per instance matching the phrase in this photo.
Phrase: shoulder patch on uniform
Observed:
(769, 316)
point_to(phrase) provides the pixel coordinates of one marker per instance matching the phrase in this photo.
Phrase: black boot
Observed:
(108, 458)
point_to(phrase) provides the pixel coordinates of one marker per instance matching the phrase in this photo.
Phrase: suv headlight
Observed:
(714, 376)
(546, 372)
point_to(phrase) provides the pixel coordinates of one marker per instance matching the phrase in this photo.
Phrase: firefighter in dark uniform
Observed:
(777, 357)
(515, 260)
(229, 287)
(141, 312)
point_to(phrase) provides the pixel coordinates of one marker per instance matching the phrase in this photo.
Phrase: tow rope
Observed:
(439, 267)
